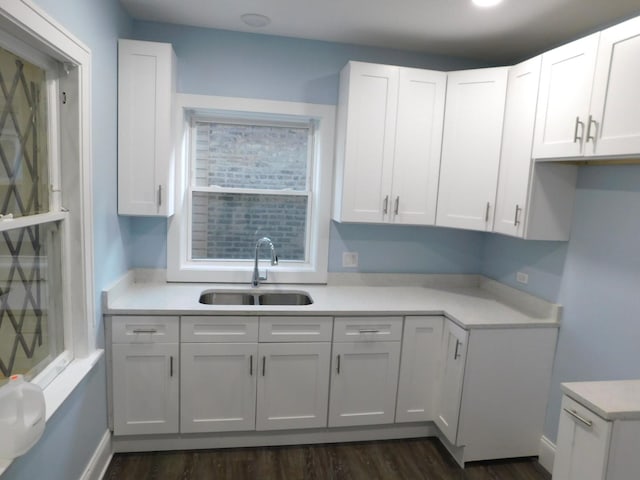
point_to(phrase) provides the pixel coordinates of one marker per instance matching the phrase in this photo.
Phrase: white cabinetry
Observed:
(218, 388)
(293, 382)
(534, 200)
(421, 343)
(145, 370)
(497, 381)
(588, 96)
(388, 144)
(364, 370)
(146, 91)
(599, 431)
(471, 148)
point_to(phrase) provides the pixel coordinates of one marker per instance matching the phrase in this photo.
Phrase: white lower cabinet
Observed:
(293, 385)
(218, 388)
(421, 345)
(590, 447)
(144, 356)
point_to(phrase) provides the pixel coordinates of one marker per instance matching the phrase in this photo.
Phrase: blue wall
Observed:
(218, 62)
(74, 431)
(595, 277)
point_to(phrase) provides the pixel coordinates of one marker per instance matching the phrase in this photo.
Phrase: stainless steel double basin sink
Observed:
(231, 297)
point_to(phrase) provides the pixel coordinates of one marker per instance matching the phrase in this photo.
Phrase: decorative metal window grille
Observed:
(29, 337)
(250, 180)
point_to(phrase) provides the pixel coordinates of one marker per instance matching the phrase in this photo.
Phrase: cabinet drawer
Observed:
(217, 329)
(585, 418)
(295, 329)
(367, 329)
(144, 329)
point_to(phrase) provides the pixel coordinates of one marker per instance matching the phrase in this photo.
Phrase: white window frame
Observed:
(29, 24)
(314, 270)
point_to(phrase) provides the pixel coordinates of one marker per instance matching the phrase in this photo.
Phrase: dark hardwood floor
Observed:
(386, 460)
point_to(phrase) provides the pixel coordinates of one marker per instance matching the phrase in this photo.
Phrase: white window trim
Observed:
(179, 268)
(30, 24)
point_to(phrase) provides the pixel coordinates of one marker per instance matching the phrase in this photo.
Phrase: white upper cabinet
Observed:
(471, 148)
(534, 201)
(388, 144)
(616, 96)
(588, 96)
(563, 102)
(146, 91)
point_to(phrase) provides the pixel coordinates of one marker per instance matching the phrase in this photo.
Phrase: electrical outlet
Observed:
(350, 259)
(522, 277)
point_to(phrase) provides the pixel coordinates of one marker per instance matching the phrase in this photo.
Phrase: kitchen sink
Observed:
(227, 298)
(284, 298)
(230, 297)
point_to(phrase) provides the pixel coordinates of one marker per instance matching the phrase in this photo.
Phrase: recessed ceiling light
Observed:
(486, 3)
(255, 20)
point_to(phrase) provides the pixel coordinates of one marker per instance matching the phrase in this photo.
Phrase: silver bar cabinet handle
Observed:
(171, 366)
(457, 355)
(516, 220)
(397, 206)
(369, 330)
(590, 122)
(575, 130)
(581, 419)
(338, 367)
(264, 365)
(385, 205)
(251, 365)
(145, 330)
(486, 213)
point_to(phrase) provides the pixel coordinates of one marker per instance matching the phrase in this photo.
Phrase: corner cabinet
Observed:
(494, 380)
(588, 94)
(146, 91)
(534, 200)
(144, 355)
(471, 148)
(389, 131)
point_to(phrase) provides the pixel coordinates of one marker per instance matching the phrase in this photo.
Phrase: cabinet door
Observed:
(367, 116)
(421, 344)
(515, 158)
(454, 354)
(218, 389)
(563, 102)
(364, 380)
(146, 86)
(583, 444)
(471, 148)
(293, 385)
(616, 96)
(145, 388)
(416, 164)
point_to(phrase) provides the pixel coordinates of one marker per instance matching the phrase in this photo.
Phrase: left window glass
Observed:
(31, 324)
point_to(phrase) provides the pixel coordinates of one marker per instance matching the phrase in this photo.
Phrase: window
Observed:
(45, 242)
(251, 169)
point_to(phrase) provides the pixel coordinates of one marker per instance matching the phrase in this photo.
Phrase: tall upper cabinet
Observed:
(588, 96)
(534, 200)
(146, 92)
(471, 148)
(388, 144)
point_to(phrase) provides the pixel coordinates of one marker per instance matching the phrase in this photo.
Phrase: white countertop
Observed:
(471, 301)
(611, 400)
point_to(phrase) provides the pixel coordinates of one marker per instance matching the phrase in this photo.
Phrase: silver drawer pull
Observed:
(584, 421)
(142, 330)
(369, 330)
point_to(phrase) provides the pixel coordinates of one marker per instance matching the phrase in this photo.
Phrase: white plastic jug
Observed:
(22, 416)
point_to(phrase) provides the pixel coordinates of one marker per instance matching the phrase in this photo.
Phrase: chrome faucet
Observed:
(255, 280)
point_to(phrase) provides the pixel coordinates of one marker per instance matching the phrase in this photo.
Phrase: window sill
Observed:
(64, 384)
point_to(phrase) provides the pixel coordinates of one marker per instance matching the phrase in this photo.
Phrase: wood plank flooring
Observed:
(415, 459)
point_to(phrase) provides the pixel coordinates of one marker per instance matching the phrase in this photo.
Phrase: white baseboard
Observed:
(547, 454)
(99, 462)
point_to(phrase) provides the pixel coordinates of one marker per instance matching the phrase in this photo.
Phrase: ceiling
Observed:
(510, 31)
